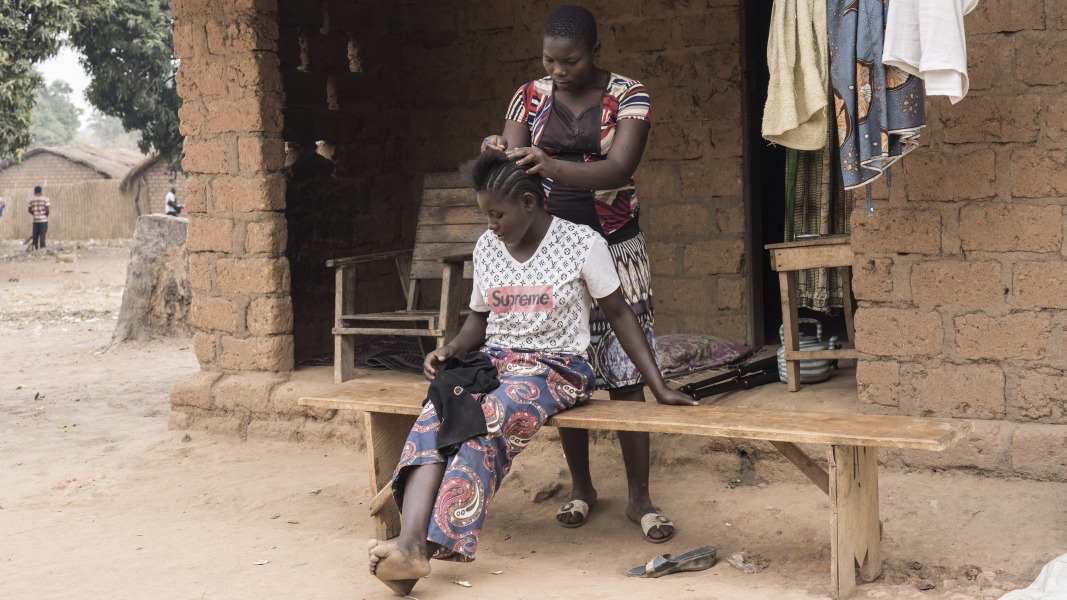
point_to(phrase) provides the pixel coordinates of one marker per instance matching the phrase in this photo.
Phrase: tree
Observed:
(128, 49)
(30, 31)
(55, 118)
(106, 131)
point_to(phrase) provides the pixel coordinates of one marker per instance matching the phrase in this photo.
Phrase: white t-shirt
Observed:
(926, 38)
(170, 204)
(543, 303)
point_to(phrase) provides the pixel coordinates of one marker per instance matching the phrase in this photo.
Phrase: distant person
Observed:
(39, 208)
(2, 205)
(171, 205)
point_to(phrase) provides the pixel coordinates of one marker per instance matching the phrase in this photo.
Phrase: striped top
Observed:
(623, 98)
(39, 208)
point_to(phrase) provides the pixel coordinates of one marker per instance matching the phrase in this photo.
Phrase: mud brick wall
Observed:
(405, 88)
(46, 169)
(961, 274)
(235, 195)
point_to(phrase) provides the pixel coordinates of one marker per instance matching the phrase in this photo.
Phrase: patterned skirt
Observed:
(612, 366)
(533, 387)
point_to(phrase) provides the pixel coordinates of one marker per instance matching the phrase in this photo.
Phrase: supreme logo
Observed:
(520, 298)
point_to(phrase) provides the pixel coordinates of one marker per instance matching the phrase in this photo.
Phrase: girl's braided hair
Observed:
(495, 173)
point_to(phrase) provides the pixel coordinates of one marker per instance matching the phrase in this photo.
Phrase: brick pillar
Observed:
(235, 195)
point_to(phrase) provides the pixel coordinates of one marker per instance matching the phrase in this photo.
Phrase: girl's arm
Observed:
(470, 336)
(613, 172)
(633, 341)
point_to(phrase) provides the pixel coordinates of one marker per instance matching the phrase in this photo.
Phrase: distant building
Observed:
(150, 180)
(66, 165)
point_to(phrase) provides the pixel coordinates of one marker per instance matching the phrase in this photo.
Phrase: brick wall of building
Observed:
(46, 169)
(412, 87)
(961, 274)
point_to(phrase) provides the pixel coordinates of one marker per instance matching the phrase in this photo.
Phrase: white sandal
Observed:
(651, 520)
(574, 506)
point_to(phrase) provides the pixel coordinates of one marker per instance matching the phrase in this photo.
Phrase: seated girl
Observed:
(534, 278)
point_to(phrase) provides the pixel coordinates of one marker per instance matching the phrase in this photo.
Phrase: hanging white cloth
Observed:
(926, 38)
(796, 112)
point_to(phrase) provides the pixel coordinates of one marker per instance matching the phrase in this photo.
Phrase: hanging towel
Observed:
(795, 115)
(927, 39)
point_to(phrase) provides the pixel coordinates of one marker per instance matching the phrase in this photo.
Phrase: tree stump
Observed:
(156, 299)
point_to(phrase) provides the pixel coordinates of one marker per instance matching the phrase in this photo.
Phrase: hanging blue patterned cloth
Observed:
(880, 111)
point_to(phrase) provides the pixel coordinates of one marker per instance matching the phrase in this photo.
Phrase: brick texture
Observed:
(1018, 336)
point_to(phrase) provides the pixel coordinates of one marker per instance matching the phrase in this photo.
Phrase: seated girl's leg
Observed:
(400, 565)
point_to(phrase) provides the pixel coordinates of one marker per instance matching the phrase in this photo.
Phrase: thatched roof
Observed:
(137, 170)
(109, 162)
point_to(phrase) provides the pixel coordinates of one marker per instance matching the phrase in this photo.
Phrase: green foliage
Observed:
(105, 131)
(128, 50)
(55, 118)
(30, 31)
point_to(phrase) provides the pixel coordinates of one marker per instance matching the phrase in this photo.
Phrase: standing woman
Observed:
(583, 129)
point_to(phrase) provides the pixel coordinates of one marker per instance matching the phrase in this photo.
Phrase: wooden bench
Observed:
(851, 480)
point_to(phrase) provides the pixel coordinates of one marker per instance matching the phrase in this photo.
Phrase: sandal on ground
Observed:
(652, 520)
(665, 564)
(580, 507)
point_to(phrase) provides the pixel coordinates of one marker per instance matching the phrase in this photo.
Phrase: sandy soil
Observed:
(99, 500)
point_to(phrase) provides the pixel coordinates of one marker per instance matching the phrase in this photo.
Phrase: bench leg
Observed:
(385, 435)
(856, 536)
(344, 346)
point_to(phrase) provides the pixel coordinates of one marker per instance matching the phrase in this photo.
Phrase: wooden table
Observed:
(788, 258)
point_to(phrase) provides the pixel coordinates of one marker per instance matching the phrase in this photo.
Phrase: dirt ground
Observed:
(98, 499)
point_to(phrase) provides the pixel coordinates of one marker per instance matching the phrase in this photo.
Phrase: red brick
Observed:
(1018, 336)
(872, 279)
(891, 231)
(208, 234)
(663, 258)
(270, 315)
(996, 119)
(200, 272)
(196, 194)
(191, 118)
(266, 237)
(878, 382)
(731, 293)
(1056, 121)
(674, 221)
(948, 175)
(246, 392)
(703, 178)
(206, 156)
(1039, 61)
(1038, 173)
(1041, 395)
(991, 16)
(246, 33)
(1011, 228)
(732, 219)
(957, 282)
(253, 275)
(713, 256)
(982, 53)
(965, 391)
(260, 154)
(213, 314)
(984, 449)
(262, 353)
(1041, 284)
(194, 390)
(205, 348)
(248, 194)
(1037, 452)
(254, 114)
(897, 332)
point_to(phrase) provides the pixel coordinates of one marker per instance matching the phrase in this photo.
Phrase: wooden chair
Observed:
(448, 226)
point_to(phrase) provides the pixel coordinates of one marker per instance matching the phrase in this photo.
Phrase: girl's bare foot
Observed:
(397, 569)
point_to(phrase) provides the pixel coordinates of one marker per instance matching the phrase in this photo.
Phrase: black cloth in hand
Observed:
(451, 394)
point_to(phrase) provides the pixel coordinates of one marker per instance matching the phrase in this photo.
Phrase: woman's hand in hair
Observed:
(495, 142)
(534, 160)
